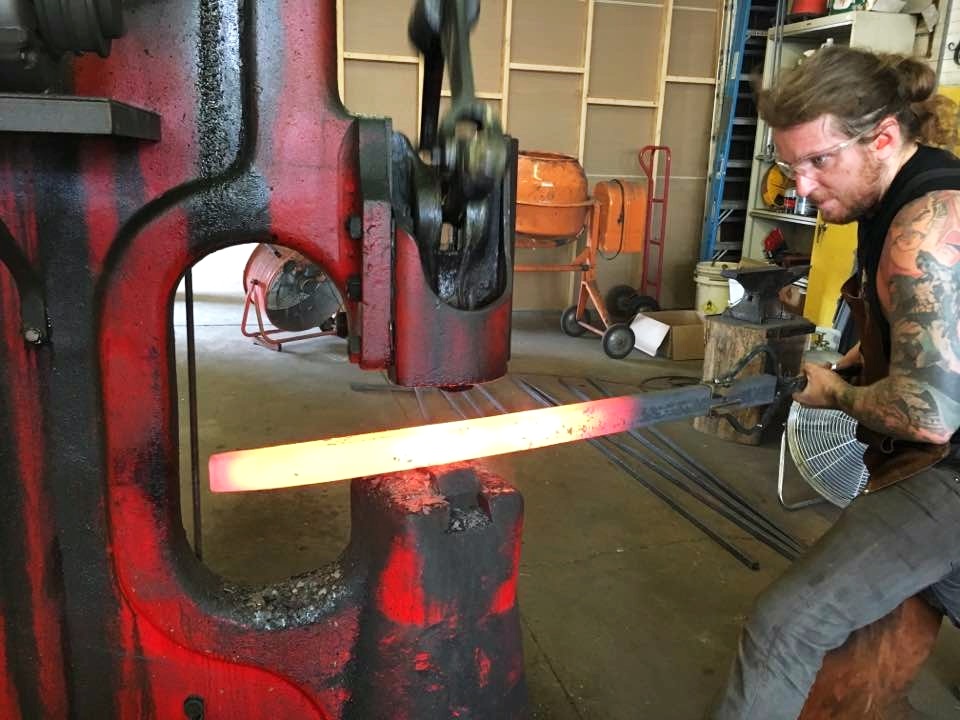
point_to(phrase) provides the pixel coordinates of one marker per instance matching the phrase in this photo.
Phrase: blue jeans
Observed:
(885, 547)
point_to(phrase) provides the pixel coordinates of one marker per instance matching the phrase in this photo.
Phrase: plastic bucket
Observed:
(713, 289)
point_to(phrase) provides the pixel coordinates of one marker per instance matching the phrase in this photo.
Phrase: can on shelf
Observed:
(804, 206)
(790, 200)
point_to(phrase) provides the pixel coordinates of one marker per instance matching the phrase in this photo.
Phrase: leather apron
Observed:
(888, 460)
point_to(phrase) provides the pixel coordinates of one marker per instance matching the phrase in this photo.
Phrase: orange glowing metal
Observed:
(388, 451)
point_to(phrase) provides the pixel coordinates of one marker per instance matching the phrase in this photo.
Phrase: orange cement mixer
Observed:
(554, 208)
(552, 196)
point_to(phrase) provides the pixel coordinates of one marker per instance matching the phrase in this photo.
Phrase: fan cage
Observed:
(826, 452)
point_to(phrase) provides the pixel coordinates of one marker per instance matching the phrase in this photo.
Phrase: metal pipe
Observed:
(717, 504)
(720, 485)
(374, 453)
(545, 399)
(194, 424)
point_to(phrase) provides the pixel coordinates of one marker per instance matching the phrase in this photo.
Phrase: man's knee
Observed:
(774, 612)
(786, 616)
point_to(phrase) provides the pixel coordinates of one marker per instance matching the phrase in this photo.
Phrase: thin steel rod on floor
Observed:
(697, 490)
(456, 406)
(735, 504)
(724, 512)
(724, 487)
(491, 399)
(421, 404)
(716, 481)
(465, 394)
(378, 387)
(545, 399)
(194, 425)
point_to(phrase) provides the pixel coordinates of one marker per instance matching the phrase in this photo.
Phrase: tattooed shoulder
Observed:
(929, 224)
(919, 284)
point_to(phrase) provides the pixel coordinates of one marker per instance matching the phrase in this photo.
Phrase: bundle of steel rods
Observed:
(687, 475)
(643, 455)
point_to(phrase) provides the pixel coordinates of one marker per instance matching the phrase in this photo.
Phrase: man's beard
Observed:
(859, 205)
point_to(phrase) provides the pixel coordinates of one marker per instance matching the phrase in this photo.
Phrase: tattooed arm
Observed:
(919, 288)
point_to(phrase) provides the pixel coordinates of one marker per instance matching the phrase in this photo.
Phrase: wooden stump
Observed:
(727, 341)
(868, 677)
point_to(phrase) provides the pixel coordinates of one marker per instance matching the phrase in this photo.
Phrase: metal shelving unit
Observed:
(783, 217)
(888, 32)
(735, 129)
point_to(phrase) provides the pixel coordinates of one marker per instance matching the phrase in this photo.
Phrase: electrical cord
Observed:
(621, 219)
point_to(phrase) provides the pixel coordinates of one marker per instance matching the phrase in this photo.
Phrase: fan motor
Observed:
(298, 295)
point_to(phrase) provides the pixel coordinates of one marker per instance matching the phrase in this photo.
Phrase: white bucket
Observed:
(713, 290)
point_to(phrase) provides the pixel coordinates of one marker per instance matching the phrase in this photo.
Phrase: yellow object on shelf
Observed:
(831, 263)
(774, 185)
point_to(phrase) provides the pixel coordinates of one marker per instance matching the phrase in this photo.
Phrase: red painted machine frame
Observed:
(104, 610)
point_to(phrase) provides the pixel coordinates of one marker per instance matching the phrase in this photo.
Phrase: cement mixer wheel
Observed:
(623, 302)
(618, 341)
(569, 324)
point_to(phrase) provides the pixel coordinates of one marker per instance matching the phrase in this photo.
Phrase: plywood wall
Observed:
(595, 79)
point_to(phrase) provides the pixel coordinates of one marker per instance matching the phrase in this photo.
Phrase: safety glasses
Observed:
(819, 161)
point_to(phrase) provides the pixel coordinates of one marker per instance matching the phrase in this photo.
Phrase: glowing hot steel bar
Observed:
(387, 451)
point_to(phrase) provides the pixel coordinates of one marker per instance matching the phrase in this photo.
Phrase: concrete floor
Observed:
(628, 611)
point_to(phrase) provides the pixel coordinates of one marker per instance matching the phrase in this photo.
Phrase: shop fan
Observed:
(826, 453)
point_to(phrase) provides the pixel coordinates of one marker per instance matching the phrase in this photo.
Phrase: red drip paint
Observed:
(158, 84)
(310, 167)
(483, 667)
(166, 623)
(422, 662)
(27, 432)
(39, 546)
(174, 671)
(162, 83)
(400, 596)
(505, 598)
(9, 707)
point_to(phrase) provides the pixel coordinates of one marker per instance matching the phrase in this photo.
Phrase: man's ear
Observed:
(887, 138)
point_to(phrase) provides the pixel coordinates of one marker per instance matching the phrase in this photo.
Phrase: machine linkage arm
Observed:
(468, 154)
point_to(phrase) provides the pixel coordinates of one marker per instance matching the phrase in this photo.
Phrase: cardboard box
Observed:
(676, 334)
